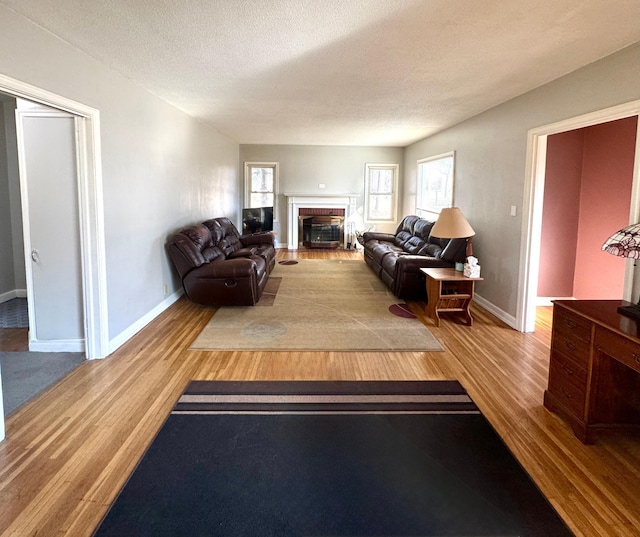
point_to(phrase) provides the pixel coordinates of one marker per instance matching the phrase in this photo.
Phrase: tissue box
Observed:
(471, 271)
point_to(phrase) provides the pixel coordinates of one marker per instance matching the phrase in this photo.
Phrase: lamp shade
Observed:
(624, 243)
(452, 224)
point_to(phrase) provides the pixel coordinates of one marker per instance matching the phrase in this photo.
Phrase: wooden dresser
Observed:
(594, 369)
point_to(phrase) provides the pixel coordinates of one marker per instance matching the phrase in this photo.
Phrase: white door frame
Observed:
(92, 241)
(534, 198)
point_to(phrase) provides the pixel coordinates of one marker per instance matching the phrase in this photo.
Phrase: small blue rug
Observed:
(329, 459)
(14, 313)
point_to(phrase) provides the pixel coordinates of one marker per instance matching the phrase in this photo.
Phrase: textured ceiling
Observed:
(338, 72)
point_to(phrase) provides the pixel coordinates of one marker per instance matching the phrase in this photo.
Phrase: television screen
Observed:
(257, 219)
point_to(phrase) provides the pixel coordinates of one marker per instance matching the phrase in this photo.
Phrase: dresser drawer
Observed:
(618, 347)
(576, 348)
(562, 366)
(568, 393)
(570, 324)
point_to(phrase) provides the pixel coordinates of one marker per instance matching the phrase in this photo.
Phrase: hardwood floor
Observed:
(14, 339)
(68, 453)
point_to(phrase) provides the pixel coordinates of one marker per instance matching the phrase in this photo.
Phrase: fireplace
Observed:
(321, 228)
(316, 205)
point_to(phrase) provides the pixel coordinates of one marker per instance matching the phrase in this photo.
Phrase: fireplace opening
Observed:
(320, 229)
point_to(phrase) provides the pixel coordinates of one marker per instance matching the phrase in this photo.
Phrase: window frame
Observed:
(248, 166)
(424, 210)
(394, 193)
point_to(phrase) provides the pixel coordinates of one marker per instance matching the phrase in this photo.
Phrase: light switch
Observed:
(514, 210)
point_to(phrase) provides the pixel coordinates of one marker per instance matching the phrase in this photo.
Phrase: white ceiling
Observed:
(338, 72)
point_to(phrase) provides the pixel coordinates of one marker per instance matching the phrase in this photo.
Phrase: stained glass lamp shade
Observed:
(626, 243)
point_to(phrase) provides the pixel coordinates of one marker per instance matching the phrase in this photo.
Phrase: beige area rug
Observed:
(318, 305)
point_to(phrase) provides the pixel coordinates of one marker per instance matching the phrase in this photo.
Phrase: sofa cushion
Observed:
(242, 252)
(414, 245)
(431, 250)
(379, 250)
(422, 229)
(200, 241)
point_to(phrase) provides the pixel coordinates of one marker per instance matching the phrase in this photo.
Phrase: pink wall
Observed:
(560, 214)
(587, 197)
(607, 176)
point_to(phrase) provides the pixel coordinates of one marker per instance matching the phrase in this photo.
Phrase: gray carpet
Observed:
(14, 313)
(26, 374)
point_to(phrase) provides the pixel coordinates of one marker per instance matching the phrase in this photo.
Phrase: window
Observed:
(261, 185)
(381, 196)
(434, 190)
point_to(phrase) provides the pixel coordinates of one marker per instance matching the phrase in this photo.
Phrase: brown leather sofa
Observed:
(220, 267)
(397, 258)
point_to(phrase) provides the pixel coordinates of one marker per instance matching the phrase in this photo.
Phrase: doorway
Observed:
(91, 221)
(537, 145)
(587, 194)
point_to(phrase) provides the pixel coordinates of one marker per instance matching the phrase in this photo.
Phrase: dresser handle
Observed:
(570, 323)
(636, 357)
(567, 394)
(570, 345)
(567, 369)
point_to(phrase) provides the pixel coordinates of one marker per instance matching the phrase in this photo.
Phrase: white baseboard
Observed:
(10, 295)
(56, 345)
(132, 330)
(491, 308)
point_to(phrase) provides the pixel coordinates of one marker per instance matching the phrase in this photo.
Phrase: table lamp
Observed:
(625, 243)
(451, 224)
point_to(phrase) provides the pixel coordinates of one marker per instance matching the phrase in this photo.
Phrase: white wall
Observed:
(303, 167)
(161, 169)
(490, 161)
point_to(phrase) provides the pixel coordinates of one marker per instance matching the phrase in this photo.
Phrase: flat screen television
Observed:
(257, 219)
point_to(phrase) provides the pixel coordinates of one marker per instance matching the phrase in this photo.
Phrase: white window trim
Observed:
(276, 181)
(394, 204)
(451, 154)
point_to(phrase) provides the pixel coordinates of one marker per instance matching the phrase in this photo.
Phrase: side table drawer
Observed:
(618, 347)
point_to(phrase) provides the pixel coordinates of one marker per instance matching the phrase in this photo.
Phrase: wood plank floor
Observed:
(68, 453)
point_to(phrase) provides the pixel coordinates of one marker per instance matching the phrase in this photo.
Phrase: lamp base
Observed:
(630, 311)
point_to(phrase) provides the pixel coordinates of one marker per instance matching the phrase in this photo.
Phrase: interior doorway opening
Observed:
(90, 205)
(537, 146)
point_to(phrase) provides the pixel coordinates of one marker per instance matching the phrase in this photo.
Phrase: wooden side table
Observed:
(448, 290)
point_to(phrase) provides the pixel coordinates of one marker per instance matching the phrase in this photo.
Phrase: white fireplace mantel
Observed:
(320, 201)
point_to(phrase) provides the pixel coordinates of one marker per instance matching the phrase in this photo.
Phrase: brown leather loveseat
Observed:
(397, 258)
(220, 267)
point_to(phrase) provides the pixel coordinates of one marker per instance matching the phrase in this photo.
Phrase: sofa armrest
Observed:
(378, 235)
(241, 267)
(265, 237)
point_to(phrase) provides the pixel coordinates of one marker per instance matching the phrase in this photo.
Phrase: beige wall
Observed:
(491, 158)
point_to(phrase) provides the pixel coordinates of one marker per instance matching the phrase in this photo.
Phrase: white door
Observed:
(49, 188)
